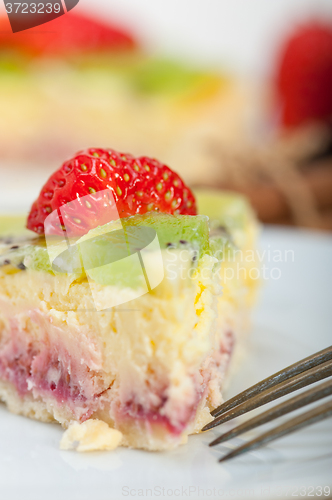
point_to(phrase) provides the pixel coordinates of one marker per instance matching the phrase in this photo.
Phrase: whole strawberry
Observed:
(137, 185)
(305, 75)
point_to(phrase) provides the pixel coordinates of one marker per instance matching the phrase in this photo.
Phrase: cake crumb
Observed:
(92, 435)
(184, 439)
(203, 417)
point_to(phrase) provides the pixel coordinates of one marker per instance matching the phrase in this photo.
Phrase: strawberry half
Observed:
(304, 79)
(137, 185)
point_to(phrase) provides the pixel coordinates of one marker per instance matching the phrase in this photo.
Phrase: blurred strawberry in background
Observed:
(288, 175)
(304, 80)
(68, 35)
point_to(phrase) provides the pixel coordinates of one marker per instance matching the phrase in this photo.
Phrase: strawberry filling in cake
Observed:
(45, 370)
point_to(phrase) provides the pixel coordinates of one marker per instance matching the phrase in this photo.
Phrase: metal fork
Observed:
(301, 374)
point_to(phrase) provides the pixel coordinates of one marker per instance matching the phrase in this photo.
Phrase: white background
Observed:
(239, 34)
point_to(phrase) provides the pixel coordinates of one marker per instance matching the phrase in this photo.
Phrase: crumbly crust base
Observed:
(137, 433)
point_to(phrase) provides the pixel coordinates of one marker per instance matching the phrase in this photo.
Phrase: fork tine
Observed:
(301, 380)
(319, 392)
(276, 378)
(308, 418)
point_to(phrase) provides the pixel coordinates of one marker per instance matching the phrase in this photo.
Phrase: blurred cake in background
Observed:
(88, 82)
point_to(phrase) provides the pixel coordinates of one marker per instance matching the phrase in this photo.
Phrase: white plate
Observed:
(293, 320)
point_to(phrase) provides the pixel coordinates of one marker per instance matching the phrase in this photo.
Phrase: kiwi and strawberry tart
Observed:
(122, 322)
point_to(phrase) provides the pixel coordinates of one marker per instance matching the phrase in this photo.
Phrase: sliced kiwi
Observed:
(16, 242)
(175, 231)
(21, 253)
(105, 252)
(231, 215)
(226, 208)
(120, 252)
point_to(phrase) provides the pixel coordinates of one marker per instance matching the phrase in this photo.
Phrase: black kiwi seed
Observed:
(183, 242)
(15, 247)
(6, 262)
(21, 266)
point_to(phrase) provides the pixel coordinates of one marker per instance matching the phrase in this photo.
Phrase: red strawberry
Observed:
(138, 185)
(67, 35)
(305, 75)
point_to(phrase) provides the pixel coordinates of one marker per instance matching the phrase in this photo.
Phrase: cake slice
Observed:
(126, 322)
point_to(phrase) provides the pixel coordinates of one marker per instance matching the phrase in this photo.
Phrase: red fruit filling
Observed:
(47, 371)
